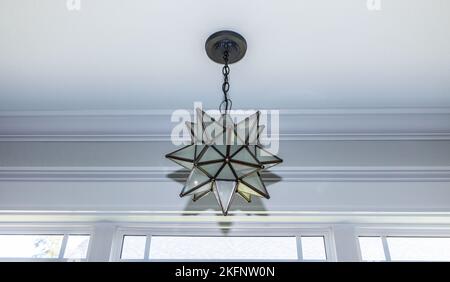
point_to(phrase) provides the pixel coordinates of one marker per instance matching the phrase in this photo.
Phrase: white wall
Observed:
(108, 170)
(390, 176)
(334, 161)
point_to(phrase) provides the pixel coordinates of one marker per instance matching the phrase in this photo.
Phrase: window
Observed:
(77, 247)
(313, 248)
(371, 249)
(404, 248)
(43, 246)
(133, 247)
(175, 247)
(220, 248)
(419, 248)
(30, 246)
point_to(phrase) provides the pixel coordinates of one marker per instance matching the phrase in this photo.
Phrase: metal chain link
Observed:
(225, 85)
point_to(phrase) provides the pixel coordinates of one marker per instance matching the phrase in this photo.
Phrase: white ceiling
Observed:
(140, 54)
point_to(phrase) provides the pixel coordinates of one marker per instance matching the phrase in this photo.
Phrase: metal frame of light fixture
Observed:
(211, 164)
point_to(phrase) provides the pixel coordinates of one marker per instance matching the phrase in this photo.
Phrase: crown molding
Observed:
(397, 220)
(156, 125)
(170, 174)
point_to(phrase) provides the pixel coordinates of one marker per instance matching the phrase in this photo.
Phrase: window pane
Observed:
(77, 246)
(217, 248)
(313, 248)
(133, 247)
(419, 248)
(371, 249)
(30, 246)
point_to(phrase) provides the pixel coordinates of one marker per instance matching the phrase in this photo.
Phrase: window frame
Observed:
(402, 231)
(33, 229)
(213, 229)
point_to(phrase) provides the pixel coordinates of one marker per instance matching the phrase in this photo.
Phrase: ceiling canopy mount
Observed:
(226, 41)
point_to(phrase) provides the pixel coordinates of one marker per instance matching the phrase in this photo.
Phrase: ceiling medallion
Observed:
(225, 157)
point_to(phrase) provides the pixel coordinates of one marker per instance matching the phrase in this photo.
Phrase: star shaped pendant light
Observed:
(224, 158)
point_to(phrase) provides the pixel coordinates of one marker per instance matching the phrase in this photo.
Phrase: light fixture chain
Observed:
(225, 85)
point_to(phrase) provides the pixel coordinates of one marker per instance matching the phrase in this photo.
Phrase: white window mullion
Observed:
(330, 249)
(101, 242)
(387, 254)
(147, 247)
(63, 247)
(346, 243)
(299, 248)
